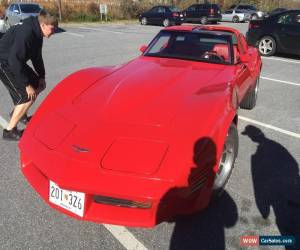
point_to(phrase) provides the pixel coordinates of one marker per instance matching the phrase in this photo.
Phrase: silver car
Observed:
(235, 16)
(17, 12)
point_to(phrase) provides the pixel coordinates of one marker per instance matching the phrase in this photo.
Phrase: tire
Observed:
(235, 19)
(6, 24)
(144, 21)
(203, 20)
(250, 99)
(166, 23)
(226, 165)
(267, 46)
(254, 17)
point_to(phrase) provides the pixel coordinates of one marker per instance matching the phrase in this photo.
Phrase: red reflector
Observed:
(211, 11)
(253, 26)
(175, 14)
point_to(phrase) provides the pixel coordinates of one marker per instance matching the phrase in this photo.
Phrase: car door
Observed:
(10, 13)
(151, 15)
(16, 15)
(190, 13)
(227, 16)
(162, 15)
(202, 10)
(244, 70)
(289, 32)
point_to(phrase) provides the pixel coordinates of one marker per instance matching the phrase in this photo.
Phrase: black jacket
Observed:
(22, 43)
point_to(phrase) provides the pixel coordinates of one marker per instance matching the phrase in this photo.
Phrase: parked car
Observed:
(235, 16)
(17, 12)
(143, 142)
(275, 11)
(162, 15)
(277, 33)
(248, 9)
(203, 13)
(2, 26)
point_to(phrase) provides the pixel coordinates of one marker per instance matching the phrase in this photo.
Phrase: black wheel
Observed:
(6, 24)
(235, 19)
(267, 46)
(226, 164)
(144, 21)
(203, 20)
(249, 100)
(166, 23)
(254, 17)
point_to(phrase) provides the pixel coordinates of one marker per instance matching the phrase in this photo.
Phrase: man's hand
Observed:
(31, 92)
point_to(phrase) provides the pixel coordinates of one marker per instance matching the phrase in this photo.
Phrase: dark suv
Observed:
(203, 13)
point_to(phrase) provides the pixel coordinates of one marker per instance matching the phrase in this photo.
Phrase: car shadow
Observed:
(276, 183)
(206, 230)
(287, 56)
(193, 229)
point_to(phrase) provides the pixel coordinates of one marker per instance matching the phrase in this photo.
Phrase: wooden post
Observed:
(59, 9)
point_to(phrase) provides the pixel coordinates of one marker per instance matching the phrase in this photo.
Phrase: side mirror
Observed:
(143, 48)
(244, 58)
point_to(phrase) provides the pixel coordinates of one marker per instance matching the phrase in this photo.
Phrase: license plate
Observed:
(69, 200)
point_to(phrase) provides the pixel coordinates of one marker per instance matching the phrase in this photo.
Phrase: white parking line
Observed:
(110, 31)
(282, 60)
(3, 122)
(281, 81)
(283, 131)
(126, 238)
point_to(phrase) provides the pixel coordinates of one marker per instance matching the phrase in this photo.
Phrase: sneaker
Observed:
(12, 135)
(25, 119)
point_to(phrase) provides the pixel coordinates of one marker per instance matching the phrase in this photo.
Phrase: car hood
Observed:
(125, 115)
(147, 91)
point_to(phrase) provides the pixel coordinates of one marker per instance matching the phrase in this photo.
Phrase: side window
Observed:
(228, 12)
(201, 7)
(161, 10)
(17, 8)
(285, 19)
(11, 8)
(154, 10)
(241, 7)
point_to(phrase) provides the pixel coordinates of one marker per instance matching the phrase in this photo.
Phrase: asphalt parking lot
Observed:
(266, 171)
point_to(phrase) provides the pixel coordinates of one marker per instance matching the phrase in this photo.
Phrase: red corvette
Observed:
(140, 143)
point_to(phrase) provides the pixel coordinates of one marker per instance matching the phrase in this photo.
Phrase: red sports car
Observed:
(146, 141)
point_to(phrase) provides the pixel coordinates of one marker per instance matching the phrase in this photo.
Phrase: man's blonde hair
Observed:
(48, 19)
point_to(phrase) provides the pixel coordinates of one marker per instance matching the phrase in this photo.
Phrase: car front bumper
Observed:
(166, 199)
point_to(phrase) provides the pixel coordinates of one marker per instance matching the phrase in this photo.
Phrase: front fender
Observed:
(69, 88)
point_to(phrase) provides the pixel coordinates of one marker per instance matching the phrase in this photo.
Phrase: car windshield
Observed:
(30, 8)
(206, 46)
